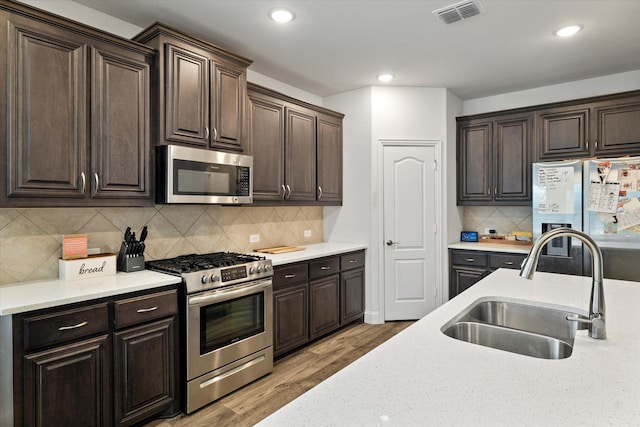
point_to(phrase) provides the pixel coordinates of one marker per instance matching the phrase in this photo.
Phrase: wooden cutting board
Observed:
(281, 249)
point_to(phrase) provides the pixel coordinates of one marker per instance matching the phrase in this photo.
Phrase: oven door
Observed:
(226, 324)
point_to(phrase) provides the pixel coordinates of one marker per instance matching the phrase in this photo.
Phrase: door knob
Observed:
(391, 242)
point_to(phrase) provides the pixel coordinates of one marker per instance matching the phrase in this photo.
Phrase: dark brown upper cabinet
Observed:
(494, 161)
(201, 91)
(296, 149)
(596, 127)
(76, 114)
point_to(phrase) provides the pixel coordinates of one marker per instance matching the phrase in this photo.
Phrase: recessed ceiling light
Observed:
(282, 15)
(568, 31)
(385, 78)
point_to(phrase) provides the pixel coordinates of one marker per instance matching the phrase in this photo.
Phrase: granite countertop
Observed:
(491, 247)
(317, 250)
(422, 377)
(29, 296)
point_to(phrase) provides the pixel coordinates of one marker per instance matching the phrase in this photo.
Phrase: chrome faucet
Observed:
(596, 322)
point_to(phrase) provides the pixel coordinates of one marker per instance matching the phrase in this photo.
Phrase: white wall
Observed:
(604, 85)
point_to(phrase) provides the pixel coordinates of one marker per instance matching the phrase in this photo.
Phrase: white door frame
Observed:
(439, 235)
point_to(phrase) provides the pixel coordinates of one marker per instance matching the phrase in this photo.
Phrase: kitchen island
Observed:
(422, 377)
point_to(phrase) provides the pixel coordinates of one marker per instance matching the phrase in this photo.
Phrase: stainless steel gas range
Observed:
(227, 322)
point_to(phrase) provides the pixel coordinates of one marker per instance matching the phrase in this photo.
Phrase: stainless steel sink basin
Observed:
(517, 327)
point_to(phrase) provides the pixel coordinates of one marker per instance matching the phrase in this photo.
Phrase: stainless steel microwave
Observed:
(199, 176)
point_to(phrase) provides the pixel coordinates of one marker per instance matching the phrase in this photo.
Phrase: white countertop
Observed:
(317, 250)
(491, 247)
(421, 377)
(28, 296)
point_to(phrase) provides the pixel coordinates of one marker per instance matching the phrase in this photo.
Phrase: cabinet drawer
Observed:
(470, 258)
(283, 276)
(65, 326)
(144, 308)
(324, 267)
(506, 260)
(354, 260)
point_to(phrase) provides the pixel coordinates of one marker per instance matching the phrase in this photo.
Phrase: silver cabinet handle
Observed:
(488, 191)
(95, 177)
(288, 192)
(206, 133)
(215, 134)
(319, 192)
(470, 259)
(351, 261)
(284, 192)
(508, 263)
(324, 267)
(83, 180)
(79, 325)
(146, 310)
(289, 276)
(495, 190)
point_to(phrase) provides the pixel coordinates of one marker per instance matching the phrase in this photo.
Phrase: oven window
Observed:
(227, 322)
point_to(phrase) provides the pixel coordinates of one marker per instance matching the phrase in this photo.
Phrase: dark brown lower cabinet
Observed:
(315, 298)
(107, 362)
(68, 385)
(467, 267)
(291, 327)
(324, 306)
(144, 383)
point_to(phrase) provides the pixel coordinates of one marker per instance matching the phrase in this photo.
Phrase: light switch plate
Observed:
(307, 233)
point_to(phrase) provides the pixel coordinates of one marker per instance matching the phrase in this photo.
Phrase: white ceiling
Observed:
(335, 46)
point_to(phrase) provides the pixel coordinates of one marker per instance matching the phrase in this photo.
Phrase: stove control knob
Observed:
(252, 270)
(267, 267)
(215, 278)
(205, 280)
(259, 269)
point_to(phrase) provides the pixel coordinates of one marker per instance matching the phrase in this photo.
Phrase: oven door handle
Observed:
(226, 293)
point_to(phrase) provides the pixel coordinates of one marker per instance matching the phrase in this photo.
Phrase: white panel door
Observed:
(409, 209)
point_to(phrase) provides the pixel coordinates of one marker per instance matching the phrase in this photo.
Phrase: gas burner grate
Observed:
(197, 262)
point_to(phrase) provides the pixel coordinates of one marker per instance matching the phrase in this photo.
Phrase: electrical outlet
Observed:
(307, 233)
(254, 238)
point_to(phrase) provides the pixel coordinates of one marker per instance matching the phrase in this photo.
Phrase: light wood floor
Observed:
(291, 376)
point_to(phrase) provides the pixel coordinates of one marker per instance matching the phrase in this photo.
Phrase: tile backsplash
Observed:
(503, 219)
(31, 239)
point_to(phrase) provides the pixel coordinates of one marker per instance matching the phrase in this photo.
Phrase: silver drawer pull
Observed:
(508, 263)
(289, 276)
(351, 261)
(324, 267)
(470, 259)
(146, 310)
(79, 325)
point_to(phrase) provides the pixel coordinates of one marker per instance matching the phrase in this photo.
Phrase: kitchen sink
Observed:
(517, 327)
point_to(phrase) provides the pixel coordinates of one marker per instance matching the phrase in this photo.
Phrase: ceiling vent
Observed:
(459, 11)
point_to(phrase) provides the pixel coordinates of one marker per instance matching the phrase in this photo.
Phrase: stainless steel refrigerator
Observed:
(611, 214)
(557, 202)
(600, 197)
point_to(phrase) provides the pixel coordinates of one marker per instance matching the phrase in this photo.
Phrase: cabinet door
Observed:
(266, 145)
(351, 295)
(329, 159)
(300, 155)
(228, 92)
(291, 325)
(46, 107)
(120, 138)
(186, 97)
(474, 162)
(144, 371)
(616, 127)
(562, 133)
(324, 305)
(69, 385)
(513, 139)
(463, 278)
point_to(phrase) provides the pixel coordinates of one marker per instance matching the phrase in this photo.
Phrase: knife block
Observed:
(129, 263)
